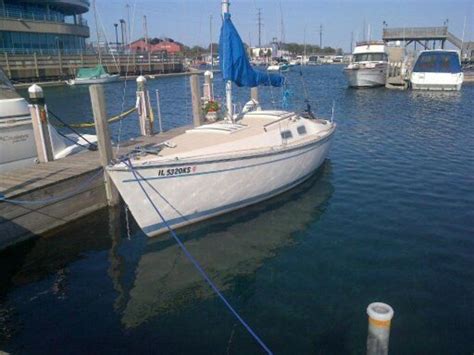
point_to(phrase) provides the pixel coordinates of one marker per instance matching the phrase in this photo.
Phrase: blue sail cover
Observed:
(234, 63)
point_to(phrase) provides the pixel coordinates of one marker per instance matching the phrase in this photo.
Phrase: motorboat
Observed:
(212, 169)
(281, 67)
(96, 75)
(17, 142)
(438, 69)
(369, 64)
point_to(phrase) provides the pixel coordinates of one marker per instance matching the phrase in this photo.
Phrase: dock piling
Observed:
(207, 87)
(196, 100)
(254, 94)
(39, 119)
(103, 140)
(145, 113)
(380, 316)
(158, 110)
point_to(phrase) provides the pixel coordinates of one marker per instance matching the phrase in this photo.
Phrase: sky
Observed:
(189, 22)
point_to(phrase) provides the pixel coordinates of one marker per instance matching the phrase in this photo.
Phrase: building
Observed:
(43, 26)
(156, 45)
(257, 52)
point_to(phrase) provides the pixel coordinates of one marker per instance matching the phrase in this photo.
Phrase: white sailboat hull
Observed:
(366, 77)
(204, 189)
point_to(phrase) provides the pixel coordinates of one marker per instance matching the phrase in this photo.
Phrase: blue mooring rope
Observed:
(195, 262)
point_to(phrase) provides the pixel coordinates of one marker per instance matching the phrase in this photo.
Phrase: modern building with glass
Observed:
(43, 26)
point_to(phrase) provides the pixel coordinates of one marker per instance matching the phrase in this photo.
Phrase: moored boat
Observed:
(17, 142)
(368, 67)
(219, 167)
(89, 76)
(438, 69)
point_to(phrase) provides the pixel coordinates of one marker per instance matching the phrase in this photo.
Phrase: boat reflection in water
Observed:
(227, 247)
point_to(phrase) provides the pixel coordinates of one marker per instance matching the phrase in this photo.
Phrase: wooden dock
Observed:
(73, 185)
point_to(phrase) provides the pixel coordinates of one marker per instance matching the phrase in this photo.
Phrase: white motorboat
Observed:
(438, 69)
(17, 142)
(89, 76)
(279, 67)
(223, 166)
(369, 64)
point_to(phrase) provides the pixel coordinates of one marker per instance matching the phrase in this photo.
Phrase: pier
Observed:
(34, 68)
(58, 181)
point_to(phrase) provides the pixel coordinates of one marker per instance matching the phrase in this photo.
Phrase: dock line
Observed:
(195, 262)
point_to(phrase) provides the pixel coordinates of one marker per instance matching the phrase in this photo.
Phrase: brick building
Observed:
(156, 45)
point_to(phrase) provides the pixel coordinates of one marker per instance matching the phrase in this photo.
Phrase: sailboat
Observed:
(97, 75)
(216, 168)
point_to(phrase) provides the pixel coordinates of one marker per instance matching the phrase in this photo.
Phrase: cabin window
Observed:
(370, 57)
(301, 130)
(286, 135)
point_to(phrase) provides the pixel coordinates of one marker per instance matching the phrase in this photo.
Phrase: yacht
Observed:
(369, 64)
(17, 142)
(437, 69)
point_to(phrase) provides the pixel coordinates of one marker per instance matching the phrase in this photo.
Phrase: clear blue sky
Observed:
(187, 21)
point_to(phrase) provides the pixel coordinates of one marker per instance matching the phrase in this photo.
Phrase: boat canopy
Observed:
(88, 73)
(234, 63)
(438, 62)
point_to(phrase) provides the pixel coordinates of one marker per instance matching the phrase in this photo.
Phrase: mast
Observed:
(303, 62)
(97, 32)
(145, 29)
(211, 49)
(228, 84)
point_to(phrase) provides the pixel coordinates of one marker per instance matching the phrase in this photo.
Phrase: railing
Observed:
(23, 67)
(40, 16)
(415, 32)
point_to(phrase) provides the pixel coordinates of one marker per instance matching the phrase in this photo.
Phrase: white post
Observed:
(380, 316)
(208, 94)
(144, 108)
(228, 84)
(39, 117)
(254, 93)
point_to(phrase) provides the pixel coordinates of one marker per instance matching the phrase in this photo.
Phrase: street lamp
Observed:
(122, 28)
(116, 36)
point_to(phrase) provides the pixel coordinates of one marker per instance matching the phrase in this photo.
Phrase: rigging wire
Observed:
(92, 146)
(138, 178)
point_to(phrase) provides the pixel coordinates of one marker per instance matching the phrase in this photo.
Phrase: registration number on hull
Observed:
(177, 171)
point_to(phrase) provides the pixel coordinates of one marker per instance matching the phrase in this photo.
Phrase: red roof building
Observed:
(170, 47)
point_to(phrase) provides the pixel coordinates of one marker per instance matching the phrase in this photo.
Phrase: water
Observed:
(389, 217)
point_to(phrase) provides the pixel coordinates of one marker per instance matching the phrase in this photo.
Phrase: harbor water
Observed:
(389, 217)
